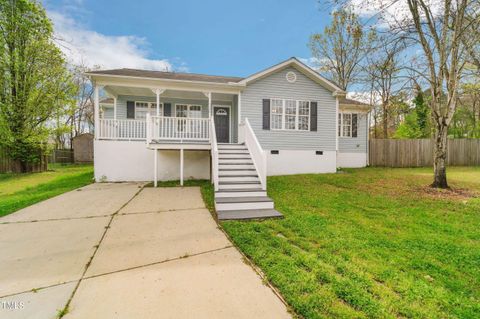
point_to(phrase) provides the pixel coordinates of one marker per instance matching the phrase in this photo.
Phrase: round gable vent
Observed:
(291, 76)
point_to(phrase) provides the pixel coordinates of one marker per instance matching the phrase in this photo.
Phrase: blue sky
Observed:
(215, 37)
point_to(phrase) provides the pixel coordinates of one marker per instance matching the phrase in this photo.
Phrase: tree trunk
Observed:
(440, 157)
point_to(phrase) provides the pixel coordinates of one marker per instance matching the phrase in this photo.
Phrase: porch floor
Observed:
(176, 144)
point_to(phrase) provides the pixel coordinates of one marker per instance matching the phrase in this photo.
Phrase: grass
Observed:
(21, 190)
(371, 243)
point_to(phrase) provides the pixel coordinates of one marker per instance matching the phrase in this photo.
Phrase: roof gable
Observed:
(301, 67)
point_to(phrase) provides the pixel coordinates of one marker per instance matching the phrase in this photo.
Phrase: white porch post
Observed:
(157, 92)
(181, 167)
(114, 108)
(210, 111)
(239, 107)
(96, 110)
(155, 167)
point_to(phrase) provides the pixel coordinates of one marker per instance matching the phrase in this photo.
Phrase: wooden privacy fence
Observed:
(419, 152)
(7, 165)
(62, 156)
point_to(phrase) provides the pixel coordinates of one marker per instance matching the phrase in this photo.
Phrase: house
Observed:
(286, 119)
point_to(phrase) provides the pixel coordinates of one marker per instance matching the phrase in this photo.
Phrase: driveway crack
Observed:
(65, 309)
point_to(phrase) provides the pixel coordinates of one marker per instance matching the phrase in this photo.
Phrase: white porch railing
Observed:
(121, 129)
(178, 129)
(259, 156)
(214, 150)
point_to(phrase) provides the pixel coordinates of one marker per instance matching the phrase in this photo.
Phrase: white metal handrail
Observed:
(124, 129)
(259, 156)
(214, 150)
(179, 128)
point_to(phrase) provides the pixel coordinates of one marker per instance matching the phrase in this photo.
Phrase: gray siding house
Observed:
(286, 119)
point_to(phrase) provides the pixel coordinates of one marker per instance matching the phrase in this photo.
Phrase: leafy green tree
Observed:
(409, 128)
(35, 83)
(422, 114)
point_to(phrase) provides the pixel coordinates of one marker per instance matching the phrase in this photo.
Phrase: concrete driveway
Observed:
(124, 251)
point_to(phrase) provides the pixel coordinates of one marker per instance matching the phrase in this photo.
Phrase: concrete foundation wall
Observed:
(117, 161)
(352, 159)
(289, 162)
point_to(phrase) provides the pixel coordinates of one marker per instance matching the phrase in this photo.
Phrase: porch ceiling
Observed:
(138, 91)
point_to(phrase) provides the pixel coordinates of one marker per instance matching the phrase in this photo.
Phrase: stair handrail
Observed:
(259, 156)
(214, 152)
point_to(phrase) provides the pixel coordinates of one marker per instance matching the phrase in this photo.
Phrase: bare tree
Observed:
(81, 118)
(383, 75)
(442, 30)
(341, 48)
(441, 33)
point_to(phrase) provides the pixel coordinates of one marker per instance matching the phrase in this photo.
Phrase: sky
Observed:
(232, 38)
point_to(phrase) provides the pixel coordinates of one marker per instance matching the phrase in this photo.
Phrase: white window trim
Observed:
(297, 116)
(151, 108)
(351, 124)
(188, 109)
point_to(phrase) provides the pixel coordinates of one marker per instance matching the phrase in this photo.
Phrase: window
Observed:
(187, 110)
(290, 115)
(347, 124)
(142, 108)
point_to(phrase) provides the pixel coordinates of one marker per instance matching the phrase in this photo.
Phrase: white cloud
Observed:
(364, 97)
(82, 45)
(390, 13)
(318, 65)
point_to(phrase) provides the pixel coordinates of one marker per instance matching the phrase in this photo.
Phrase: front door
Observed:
(222, 123)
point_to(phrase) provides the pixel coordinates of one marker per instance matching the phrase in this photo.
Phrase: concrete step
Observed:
(243, 203)
(248, 214)
(238, 179)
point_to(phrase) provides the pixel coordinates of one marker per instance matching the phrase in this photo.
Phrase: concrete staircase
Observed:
(240, 194)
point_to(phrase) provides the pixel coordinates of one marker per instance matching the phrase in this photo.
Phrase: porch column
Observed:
(114, 108)
(155, 168)
(115, 116)
(209, 96)
(157, 93)
(181, 167)
(96, 110)
(239, 107)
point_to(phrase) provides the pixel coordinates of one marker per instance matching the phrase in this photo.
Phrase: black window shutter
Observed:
(266, 114)
(167, 109)
(354, 125)
(130, 110)
(313, 116)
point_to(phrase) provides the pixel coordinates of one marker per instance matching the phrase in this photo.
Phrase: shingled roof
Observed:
(351, 102)
(168, 75)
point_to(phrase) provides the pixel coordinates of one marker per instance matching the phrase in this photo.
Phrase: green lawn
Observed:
(21, 190)
(371, 243)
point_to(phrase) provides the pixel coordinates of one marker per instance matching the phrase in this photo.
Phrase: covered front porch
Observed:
(167, 118)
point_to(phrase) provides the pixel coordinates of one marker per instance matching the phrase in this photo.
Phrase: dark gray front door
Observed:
(222, 123)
